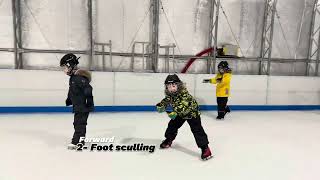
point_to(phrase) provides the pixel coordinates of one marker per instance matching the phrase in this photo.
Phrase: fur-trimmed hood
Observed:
(84, 73)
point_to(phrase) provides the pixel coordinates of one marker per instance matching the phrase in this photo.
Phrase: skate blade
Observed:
(207, 158)
(167, 147)
(72, 148)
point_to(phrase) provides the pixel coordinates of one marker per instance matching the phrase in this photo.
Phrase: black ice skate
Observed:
(206, 154)
(220, 118)
(165, 144)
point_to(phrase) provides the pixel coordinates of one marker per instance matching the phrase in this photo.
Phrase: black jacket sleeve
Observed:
(87, 92)
(68, 100)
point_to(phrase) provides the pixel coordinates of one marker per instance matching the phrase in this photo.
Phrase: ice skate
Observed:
(206, 154)
(165, 144)
(72, 146)
(220, 118)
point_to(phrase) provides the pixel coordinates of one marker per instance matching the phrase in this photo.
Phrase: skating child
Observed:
(222, 80)
(185, 108)
(79, 95)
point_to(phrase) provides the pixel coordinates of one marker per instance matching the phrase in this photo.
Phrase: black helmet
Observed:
(223, 65)
(69, 60)
(172, 79)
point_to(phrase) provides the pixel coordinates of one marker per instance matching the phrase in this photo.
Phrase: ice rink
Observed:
(278, 145)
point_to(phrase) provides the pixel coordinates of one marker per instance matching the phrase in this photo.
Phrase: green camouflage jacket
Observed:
(183, 104)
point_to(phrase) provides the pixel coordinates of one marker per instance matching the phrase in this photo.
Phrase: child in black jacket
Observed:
(79, 95)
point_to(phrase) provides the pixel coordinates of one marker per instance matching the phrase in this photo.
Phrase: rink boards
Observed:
(45, 91)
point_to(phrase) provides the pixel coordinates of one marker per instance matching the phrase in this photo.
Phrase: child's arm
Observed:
(87, 91)
(161, 106)
(215, 80)
(68, 100)
(88, 94)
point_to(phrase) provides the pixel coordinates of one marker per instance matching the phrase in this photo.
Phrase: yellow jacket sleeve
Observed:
(214, 80)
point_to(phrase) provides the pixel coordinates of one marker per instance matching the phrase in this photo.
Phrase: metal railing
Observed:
(103, 48)
(149, 51)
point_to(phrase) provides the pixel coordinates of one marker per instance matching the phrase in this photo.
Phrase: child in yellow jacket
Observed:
(222, 80)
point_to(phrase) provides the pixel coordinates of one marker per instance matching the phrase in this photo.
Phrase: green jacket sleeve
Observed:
(164, 102)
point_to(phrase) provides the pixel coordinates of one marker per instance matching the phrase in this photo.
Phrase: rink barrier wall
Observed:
(61, 109)
(46, 91)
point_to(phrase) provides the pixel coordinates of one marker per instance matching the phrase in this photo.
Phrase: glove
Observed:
(68, 102)
(219, 80)
(161, 109)
(206, 81)
(89, 102)
(172, 115)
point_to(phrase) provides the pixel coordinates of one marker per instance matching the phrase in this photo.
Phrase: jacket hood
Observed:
(84, 73)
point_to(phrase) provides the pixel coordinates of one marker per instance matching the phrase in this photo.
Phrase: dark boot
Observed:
(206, 153)
(220, 115)
(165, 144)
(219, 118)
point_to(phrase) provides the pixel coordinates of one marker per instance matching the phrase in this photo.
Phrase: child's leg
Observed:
(227, 107)
(198, 132)
(173, 126)
(79, 124)
(222, 102)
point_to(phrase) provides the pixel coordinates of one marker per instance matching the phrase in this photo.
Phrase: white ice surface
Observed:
(247, 146)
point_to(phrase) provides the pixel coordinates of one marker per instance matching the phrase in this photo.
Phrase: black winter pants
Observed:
(222, 106)
(80, 125)
(196, 128)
